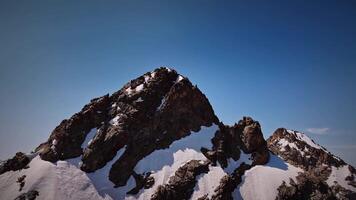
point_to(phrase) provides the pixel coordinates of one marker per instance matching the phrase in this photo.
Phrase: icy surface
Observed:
(338, 175)
(267, 178)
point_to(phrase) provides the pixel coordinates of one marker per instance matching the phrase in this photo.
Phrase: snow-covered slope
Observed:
(267, 178)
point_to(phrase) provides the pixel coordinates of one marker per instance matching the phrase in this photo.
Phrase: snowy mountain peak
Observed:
(319, 165)
(300, 149)
(158, 138)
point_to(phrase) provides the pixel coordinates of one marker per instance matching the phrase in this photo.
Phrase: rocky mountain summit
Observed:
(159, 138)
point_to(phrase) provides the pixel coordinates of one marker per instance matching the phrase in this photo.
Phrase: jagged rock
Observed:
(308, 187)
(251, 136)
(30, 195)
(66, 139)
(21, 181)
(260, 156)
(19, 161)
(181, 185)
(299, 150)
(229, 141)
(306, 159)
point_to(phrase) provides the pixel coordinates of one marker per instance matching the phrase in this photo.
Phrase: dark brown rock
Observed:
(310, 158)
(229, 141)
(30, 195)
(18, 162)
(181, 185)
(21, 181)
(229, 183)
(312, 187)
(66, 139)
(251, 136)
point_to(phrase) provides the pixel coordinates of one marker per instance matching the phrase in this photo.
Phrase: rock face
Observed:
(296, 148)
(19, 161)
(181, 185)
(293, 147)
(228, 142)
(153, 110)
(31, 195)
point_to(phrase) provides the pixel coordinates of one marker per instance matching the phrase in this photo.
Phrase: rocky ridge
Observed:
(299, 150)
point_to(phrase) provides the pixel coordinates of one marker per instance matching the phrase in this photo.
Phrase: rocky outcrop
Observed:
(66, 139)
(312, 187)
(301, 151)
(292, 146)
(21, 181)
(181, 185)
(245, 136)
(18, 162)
(228, 142)
(30, 195)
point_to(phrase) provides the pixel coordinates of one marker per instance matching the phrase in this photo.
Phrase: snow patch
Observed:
(283, 143)
(115, 121)
(54, 143)
(207, 183)
(180, 78)
(89, 138)
(232, 164)
(139, 87)
(162, 104)
(338, 175)
(139, 100)
(168, 69)
(267, 178)
(306, 139)
(163, 163)
(153, 74)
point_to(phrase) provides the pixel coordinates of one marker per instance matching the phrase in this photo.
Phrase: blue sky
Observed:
(285, 63)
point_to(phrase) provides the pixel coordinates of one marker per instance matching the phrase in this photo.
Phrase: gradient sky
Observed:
(285, 63)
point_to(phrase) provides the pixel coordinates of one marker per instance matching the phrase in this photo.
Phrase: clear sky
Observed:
(285, 63)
